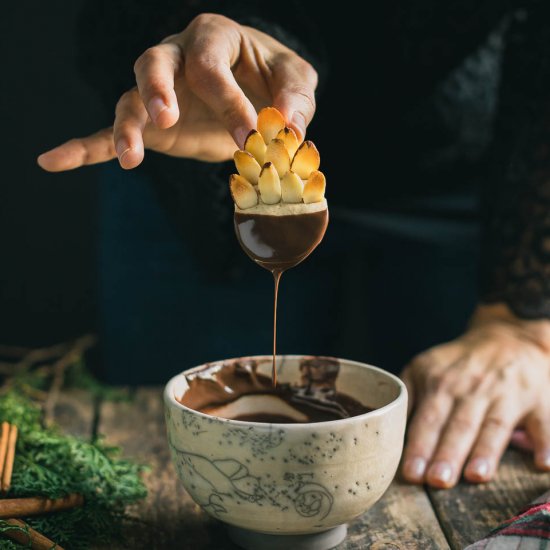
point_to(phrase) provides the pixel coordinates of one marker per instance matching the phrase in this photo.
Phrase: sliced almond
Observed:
(269, 184)
(306, 160)
(247, 166)
(290, 139)
(292, 187)
(270, 121)
(277, 154)
(243, 193)
(314, 189)
(255, 145)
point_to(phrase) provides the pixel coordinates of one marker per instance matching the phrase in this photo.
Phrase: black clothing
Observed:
(428, 97)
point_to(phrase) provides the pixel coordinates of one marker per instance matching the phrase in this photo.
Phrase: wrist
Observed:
(537, 330)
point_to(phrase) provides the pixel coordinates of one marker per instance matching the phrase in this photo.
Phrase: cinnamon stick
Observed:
(28, 536)
(10, 457)
(32, 506)
(3, 446)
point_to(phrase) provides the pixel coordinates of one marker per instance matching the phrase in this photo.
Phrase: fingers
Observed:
(538, 427)
(456, 442)
(294, 83)
(130, 121)
(423, 435)
(208, 59)
(98, 147)
(493, 438)
(214, 83)
(155, 70)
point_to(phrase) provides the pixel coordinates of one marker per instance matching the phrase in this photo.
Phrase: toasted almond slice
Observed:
(288, 135)
(247, 166)
(277, 154)
(255, 145)
(306, 160)
(292, 187)
(270, 121)
(243, 193)
(269, 184)
(314, 189)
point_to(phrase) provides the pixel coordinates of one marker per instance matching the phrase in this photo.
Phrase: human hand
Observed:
(469, 395)
(196, 96)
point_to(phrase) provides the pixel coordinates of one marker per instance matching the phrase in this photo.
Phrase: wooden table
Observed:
(407, 517)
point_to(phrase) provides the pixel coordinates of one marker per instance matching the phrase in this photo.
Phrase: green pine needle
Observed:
(51, 464)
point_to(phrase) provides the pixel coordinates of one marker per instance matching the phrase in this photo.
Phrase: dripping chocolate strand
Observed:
(277, 278)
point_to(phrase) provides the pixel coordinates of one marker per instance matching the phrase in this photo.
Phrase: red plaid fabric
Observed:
(529, 530)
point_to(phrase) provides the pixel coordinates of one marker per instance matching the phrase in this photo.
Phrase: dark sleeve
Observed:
(516, 244)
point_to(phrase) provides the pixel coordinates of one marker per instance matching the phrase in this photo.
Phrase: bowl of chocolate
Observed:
(286, 465)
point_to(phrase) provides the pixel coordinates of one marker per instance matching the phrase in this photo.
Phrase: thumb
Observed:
(293, 90)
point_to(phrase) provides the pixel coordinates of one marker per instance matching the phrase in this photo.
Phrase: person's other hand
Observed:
(196, 95)
(469, 395)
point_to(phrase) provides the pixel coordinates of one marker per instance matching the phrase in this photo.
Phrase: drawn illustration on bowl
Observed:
(228, 478)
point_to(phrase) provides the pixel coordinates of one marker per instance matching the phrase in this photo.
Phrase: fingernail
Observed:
(299, 122)
(155, 107)
(441, 471)
(240, 136)
(479, 467)
(414, 468)
(122, 148)
(543, 459)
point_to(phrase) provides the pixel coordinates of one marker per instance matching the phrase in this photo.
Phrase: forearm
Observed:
(516, 244)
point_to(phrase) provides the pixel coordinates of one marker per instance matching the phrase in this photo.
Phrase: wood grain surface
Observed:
(406, 518)
(468, 512)
(402, 519)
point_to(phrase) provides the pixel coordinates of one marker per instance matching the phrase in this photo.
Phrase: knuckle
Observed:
(206, 22)
(146, 58)
(436, 381)
(497, 423)
(122, 128)
(205, 19)
(205, 62)
(307, 69)
(124, 100)
(430, 417)
(424, 360)
(153, 86)
(305, 93)
(462, 424)
(200, 67)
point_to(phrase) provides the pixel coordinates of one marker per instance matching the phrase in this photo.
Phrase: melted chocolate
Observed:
(278, 243)
(315, 398)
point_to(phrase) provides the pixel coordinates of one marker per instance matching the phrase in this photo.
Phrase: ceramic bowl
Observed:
(291, 479)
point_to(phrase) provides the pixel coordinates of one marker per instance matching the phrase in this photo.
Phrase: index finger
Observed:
(155, 70)
(98, 147)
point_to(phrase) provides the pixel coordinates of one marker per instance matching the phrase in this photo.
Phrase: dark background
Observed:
(47, 221)
(400, 285)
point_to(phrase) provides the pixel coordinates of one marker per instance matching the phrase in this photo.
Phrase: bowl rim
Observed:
(402, 396)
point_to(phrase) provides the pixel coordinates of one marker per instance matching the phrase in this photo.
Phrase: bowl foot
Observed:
(252, 540)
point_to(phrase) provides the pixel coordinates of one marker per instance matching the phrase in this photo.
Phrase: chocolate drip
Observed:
(278, 243)
(315, 397)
